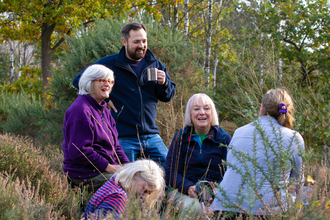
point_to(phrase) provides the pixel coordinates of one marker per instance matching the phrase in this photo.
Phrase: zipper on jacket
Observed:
(139, 86)
(142, 110)
(200, 157)
(124, 66)
(102, 114)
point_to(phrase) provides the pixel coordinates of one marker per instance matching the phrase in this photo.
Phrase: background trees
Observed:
(302, 30)
(239, 48)
(48, 22)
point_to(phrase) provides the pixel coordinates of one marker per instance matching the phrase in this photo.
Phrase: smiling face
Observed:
(201, 117)
(101, 89)
(136, 44)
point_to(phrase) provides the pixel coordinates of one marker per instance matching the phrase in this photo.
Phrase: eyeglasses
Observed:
(103, 81)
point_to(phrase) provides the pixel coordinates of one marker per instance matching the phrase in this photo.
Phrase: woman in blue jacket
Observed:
(196, 153)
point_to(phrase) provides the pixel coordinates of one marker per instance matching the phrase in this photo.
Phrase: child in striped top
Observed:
(141, 179)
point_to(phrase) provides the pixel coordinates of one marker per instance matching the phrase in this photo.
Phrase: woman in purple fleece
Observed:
(92, 153)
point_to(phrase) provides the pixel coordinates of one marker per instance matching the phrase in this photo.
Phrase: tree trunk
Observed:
(261, 72)
(12, 59)
(19, 60)
(175, 16)
(208, 43)
(46, 53)
(214, 73)
(186, 20)
(279, 70)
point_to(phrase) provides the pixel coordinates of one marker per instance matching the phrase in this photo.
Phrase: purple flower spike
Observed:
(283, 108)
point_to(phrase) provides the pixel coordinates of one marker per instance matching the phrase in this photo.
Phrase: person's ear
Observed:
(262, 110)
(124, 41)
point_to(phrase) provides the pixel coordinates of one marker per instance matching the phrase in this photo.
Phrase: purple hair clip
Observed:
(283, 108)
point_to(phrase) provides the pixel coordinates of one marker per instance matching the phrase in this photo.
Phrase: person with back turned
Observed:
(263, 143)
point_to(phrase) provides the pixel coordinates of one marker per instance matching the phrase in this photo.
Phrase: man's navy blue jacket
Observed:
(135, 98)
(188, 160)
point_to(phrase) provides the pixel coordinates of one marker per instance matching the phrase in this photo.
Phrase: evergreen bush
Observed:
(22, 114)
(4, 109)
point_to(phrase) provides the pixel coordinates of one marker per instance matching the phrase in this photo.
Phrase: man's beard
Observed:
(134, 55)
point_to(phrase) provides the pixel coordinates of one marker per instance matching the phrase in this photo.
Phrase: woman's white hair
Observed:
(206, 100)
(95, 71)
(146, 170)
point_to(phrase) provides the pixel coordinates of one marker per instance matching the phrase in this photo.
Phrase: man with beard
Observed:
(135, 97)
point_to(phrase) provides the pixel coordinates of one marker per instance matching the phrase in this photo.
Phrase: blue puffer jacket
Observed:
(188, 160)
(135, 98)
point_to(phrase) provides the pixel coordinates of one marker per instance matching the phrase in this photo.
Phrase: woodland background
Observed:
(232, 50)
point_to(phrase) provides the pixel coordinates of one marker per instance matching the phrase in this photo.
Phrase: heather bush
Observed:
(44, 191)
(20, 200)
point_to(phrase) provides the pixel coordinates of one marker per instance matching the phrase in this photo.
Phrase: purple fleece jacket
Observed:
(90, 127)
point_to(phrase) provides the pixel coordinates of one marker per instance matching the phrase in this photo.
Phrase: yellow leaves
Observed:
(34, 13)
(327, 204)
(310, 179)
(316, 203)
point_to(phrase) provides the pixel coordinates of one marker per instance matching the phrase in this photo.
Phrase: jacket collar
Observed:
(94, 103)
(213, 135)
(150, 58)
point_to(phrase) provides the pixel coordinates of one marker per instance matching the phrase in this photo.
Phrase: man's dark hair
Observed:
(131, 26)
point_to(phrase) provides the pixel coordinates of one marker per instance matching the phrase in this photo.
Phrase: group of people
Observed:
(112, 145)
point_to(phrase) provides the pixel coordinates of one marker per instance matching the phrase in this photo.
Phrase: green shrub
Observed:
(4, 109)
(23, 114)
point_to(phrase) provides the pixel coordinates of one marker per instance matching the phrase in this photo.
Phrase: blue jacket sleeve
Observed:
(75, 81)
(104, 61)
(167, 91)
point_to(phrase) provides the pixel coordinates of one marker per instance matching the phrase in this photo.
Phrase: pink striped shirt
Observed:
(110, 198)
